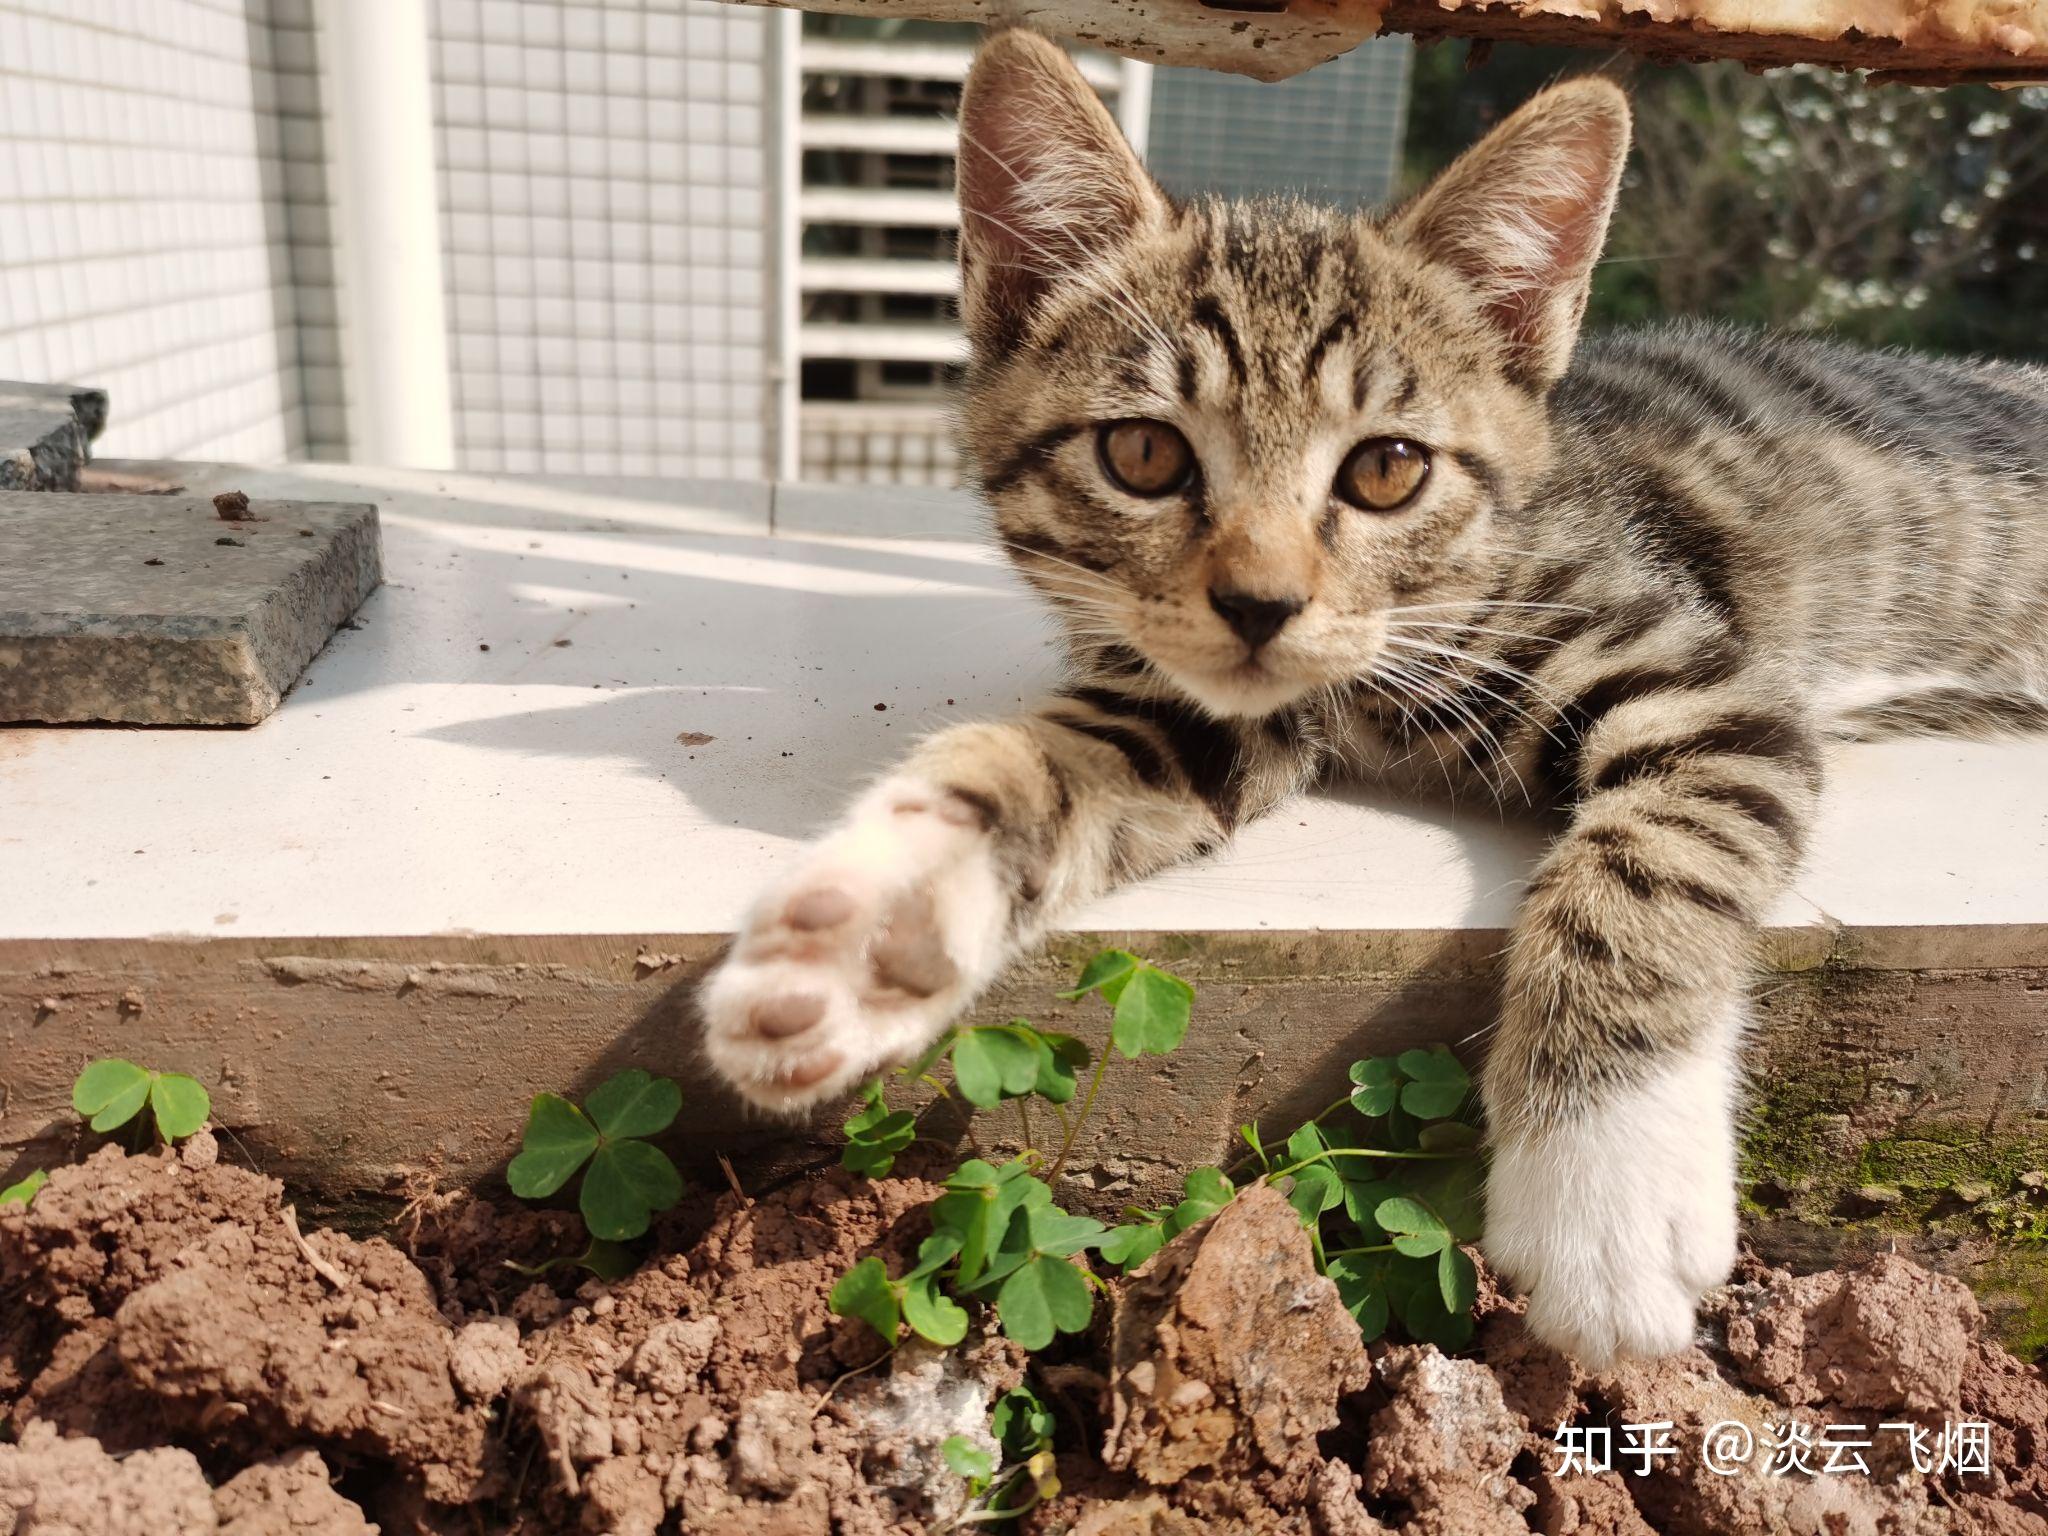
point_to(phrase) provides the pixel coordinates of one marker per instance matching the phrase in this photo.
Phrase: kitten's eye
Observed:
(1146, 458)
(1382, 473)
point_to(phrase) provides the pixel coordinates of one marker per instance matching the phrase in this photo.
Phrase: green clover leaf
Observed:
(626, 1183)
(1249, 1134)
(181, 1104)
(1152, 1012)
(864, 1292)
(1106, 973)
(966, 1459)
(933, 1315)
(110, 1093)
(1439, 1083)
(1379, 1085)
(1415, 1229)
(559, 1140)
(1361, 1281)
(1061, 1060)
(876, 1134)
(625, 1180)
(1452, 1189)
(1205, 1191)
(607, 1261)
(1052, 1230)
(1415, 1294)
(1043, 1297)
(634, 1103)
(1133, 1243)
(1022, 1423)
(978, 1205)
(22, 1193)
(1317, 1186)
(992, 1064)
(1457, 1279)
(1448, 1136)
(1363, 1192)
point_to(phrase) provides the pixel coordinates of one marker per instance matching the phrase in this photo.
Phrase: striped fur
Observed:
(1646, 577)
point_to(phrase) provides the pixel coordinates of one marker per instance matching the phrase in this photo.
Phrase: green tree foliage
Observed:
(1801, 199)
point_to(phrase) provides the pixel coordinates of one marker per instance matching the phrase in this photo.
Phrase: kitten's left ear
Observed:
(1047, 183)
(1522, 216)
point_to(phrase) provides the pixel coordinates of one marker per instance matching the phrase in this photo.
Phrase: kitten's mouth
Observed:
(1251, 688)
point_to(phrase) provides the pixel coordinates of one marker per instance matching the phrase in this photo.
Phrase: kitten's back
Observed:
(1878, 518)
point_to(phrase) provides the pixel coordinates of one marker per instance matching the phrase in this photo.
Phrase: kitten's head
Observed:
(1232, 438)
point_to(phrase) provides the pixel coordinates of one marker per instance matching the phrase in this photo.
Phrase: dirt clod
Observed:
(290, 1496)
(173, 1360)
(232, 507)
(52, 1486)
(1195, 1384)
(1892, 1337)
(485, 1358)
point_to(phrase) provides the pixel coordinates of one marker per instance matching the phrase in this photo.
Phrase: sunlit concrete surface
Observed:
(621, 706)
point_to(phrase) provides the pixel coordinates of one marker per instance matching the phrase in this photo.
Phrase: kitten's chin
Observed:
(1248, 692)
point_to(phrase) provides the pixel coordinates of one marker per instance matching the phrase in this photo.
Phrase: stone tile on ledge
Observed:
(46, 434)
(157, 611)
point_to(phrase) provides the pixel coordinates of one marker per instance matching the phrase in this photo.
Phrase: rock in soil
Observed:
(1195, 1383)
(172, 1360)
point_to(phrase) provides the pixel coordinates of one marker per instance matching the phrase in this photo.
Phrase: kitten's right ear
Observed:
(1047, 183)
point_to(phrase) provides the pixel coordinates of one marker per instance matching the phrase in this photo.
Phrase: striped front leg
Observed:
(1611, 1087)
(957, 861)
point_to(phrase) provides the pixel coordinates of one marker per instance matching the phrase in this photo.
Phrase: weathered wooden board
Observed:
(1920, 41)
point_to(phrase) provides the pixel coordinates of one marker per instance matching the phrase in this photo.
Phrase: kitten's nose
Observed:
(1255, 619)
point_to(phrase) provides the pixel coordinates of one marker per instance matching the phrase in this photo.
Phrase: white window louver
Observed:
(870, 335)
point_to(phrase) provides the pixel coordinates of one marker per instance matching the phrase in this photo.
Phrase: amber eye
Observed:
(1146, 458)
(1381, 473)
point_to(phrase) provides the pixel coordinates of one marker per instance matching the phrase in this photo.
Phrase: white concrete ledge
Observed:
(504, 744)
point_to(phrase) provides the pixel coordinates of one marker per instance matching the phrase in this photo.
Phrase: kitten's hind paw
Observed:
(1617, 1221)
(865, 954)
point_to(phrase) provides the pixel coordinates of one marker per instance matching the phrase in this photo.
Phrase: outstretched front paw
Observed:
(884, 933)
(1616, 1220)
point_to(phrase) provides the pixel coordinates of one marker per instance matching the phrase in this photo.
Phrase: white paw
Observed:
(1616, 1222)
(865, 954)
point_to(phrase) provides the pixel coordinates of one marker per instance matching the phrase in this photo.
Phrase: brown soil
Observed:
(174, 1358)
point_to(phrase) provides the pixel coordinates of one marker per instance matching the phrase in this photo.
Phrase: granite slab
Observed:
(158, 611)
(46, 434)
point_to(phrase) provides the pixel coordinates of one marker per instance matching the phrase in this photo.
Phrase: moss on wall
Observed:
(1866, 1129)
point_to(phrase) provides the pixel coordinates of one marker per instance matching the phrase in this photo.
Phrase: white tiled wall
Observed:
(605, 229)
(141, 227)
(309, 272)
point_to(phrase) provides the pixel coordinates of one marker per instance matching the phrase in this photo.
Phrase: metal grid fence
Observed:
(604, 220)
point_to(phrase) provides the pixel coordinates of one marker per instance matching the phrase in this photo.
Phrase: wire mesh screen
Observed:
(1333, 133)
(141, 220)
(605, 223)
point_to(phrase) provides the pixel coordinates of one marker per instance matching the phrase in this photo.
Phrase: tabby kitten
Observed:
(1325, 494)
